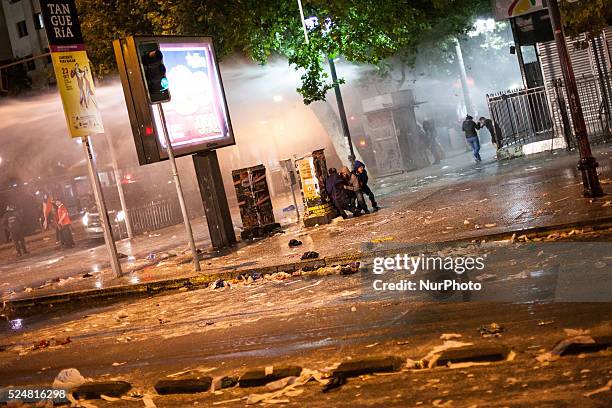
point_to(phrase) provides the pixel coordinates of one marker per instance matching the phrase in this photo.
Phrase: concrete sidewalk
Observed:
(456, 200)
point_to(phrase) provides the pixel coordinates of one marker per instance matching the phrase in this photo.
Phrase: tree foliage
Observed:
(586, 16)
(362, 31)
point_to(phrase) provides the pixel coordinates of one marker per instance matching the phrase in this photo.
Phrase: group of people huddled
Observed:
(348, 189)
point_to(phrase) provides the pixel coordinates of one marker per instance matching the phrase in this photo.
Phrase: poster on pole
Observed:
(75, 85)
(71, 67)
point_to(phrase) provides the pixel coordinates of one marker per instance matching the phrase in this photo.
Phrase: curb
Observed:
(32, 305)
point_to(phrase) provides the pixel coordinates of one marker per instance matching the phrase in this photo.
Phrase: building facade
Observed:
(23, 37)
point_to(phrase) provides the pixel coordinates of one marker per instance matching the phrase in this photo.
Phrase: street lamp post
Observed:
(339, 101)
(587, 163)
(341, 111)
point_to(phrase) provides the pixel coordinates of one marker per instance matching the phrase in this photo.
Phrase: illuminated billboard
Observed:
(196, 116)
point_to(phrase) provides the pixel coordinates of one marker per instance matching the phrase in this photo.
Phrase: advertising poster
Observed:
(75, 84)
(196, 114)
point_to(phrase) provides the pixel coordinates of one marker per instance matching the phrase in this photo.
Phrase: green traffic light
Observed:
(164, 83)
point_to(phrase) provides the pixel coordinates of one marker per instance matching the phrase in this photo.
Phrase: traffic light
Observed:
(152, 61)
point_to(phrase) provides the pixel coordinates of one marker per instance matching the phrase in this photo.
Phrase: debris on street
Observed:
(605, 388)
(562, 345)
(294, 242)
(491, 330)
(309, 255)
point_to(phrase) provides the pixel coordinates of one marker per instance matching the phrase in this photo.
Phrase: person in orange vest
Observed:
(64, 224)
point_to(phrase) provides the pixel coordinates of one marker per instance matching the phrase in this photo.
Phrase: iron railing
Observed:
(595, 94)
(530, 115)
(522, 116)
(154, 216)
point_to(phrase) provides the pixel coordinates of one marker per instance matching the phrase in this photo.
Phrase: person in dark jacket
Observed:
(494, 131)
(12, 221)
(470, 127)
(334, 186)
(362, 175)
(353, 185)
(434, 146)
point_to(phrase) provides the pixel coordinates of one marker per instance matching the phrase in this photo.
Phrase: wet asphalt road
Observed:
(532, 290)
(428, 205)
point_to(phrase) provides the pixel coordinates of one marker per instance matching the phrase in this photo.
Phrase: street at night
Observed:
(306, 203)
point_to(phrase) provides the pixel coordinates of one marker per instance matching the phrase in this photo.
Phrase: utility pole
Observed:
(341, 111)
(99, 197)
(111, 148)
(587, 163)
(179, 189)
(469, 105)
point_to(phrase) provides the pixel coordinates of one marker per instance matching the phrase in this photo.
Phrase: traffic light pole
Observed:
(179, 189)
(99, 197)
(587, 163)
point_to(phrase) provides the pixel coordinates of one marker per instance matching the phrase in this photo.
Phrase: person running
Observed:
(470, 127)
(362, 175)
(64, 224)
(12, 221)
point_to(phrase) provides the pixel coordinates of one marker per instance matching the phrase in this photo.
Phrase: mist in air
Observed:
(269, 119)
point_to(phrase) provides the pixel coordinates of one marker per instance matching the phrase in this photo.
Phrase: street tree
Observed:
(360, 31)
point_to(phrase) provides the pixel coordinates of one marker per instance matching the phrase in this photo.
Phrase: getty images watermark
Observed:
(437, 273)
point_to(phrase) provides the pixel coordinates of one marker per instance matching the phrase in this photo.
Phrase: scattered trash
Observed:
(282, 383)
(599, 264)
(278, 276)
(382, 239)
(349, 269)
(50, 343)
(545, 323)
(491, 225)
(353, 309)
(450, 336)
(68, 378)
(289, 208)
(576, 332)
(290, 390)
(310, 255)
(336, 381)
(219, 283)
(122, 314)
(430, 360)
(87, 275)
(607, 387)
(561, 346)
(294, 243)
(466, 222)
(151, 257)
(491, 330)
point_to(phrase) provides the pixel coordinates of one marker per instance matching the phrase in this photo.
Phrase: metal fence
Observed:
(155, 215)
(530, 115)
(522, 116)
(595, 94)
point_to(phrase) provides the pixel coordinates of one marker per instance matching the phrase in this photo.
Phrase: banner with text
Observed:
(71, 66)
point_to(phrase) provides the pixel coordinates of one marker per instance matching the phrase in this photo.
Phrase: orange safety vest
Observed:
(63, 212)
